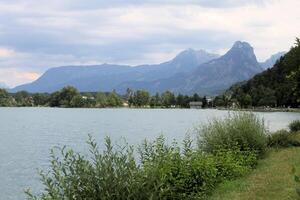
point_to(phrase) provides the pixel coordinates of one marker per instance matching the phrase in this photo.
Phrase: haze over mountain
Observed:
(212, 77)
(3, 85)
(238, 64)
(107, 77)
(272, 60)
(190, 71)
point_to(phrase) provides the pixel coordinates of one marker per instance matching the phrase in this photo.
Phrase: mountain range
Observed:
(189, 72)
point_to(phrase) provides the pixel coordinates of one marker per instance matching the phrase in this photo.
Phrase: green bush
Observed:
(279, 139)
(283, 138)
(170, 174)
(111, 174)
(234, 163)
(243, 130)
(294, 126)
(162, 171)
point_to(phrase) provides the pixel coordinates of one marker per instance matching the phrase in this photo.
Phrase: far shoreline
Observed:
(262, 109)
(296, 110)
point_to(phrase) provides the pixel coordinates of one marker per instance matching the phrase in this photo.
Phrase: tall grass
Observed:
(241, 129)
(162, 171)
(294, 126)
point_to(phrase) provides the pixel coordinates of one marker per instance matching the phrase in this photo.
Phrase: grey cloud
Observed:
(43, 35)
(205, 3)
(96, 4)
(120, 51)
(74, 45)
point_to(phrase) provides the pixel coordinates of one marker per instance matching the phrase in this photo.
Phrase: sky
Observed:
(36, 35)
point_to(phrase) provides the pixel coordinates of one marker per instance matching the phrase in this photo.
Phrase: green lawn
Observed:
(271, 180)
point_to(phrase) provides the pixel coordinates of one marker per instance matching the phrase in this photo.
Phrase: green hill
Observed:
(278, 86)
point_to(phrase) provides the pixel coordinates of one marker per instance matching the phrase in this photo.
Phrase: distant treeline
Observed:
(70, 97)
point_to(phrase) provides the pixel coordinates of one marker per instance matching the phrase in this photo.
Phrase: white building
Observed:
(195, 104)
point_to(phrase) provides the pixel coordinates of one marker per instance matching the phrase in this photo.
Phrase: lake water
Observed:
(27, 135)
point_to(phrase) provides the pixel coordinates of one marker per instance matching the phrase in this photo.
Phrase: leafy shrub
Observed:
(279, 139)
(109, 175)
(294, 126)
(243, 130)
(283, 138)
(168, 173)
(162, 172)
(234, 163)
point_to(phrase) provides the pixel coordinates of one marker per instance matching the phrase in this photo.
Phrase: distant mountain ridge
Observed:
(238, 64)
(190, 71)
(107, 77)
(272, 60)
(212, 77)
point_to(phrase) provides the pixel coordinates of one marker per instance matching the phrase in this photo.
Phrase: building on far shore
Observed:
(196, 104)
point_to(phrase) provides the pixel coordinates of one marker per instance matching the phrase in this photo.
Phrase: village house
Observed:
(195, 104)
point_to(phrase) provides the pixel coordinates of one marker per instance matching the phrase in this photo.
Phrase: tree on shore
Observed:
(155, 101)
(5, 99)
(204, 102)
(139, 98)
(168, 99)
(70, 97)
(63, 97)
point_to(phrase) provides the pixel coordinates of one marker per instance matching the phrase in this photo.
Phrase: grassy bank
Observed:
(271, 180)
(257, 109)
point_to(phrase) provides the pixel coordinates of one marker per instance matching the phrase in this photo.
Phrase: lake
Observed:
(27, 135)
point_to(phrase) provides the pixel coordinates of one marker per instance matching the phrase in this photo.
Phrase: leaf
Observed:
(293, 170)
(297, 179)
(298, 191)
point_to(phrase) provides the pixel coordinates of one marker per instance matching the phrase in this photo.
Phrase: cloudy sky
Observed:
(38, 34)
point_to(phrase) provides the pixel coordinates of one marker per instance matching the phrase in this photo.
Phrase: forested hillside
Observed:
(278, 86)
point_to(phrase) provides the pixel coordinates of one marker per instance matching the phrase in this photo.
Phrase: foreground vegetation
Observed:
(224, 151)
(218, 166)
(271, 180)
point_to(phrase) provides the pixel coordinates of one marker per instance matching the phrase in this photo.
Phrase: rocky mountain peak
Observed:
(196, 56)
(241, 51)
